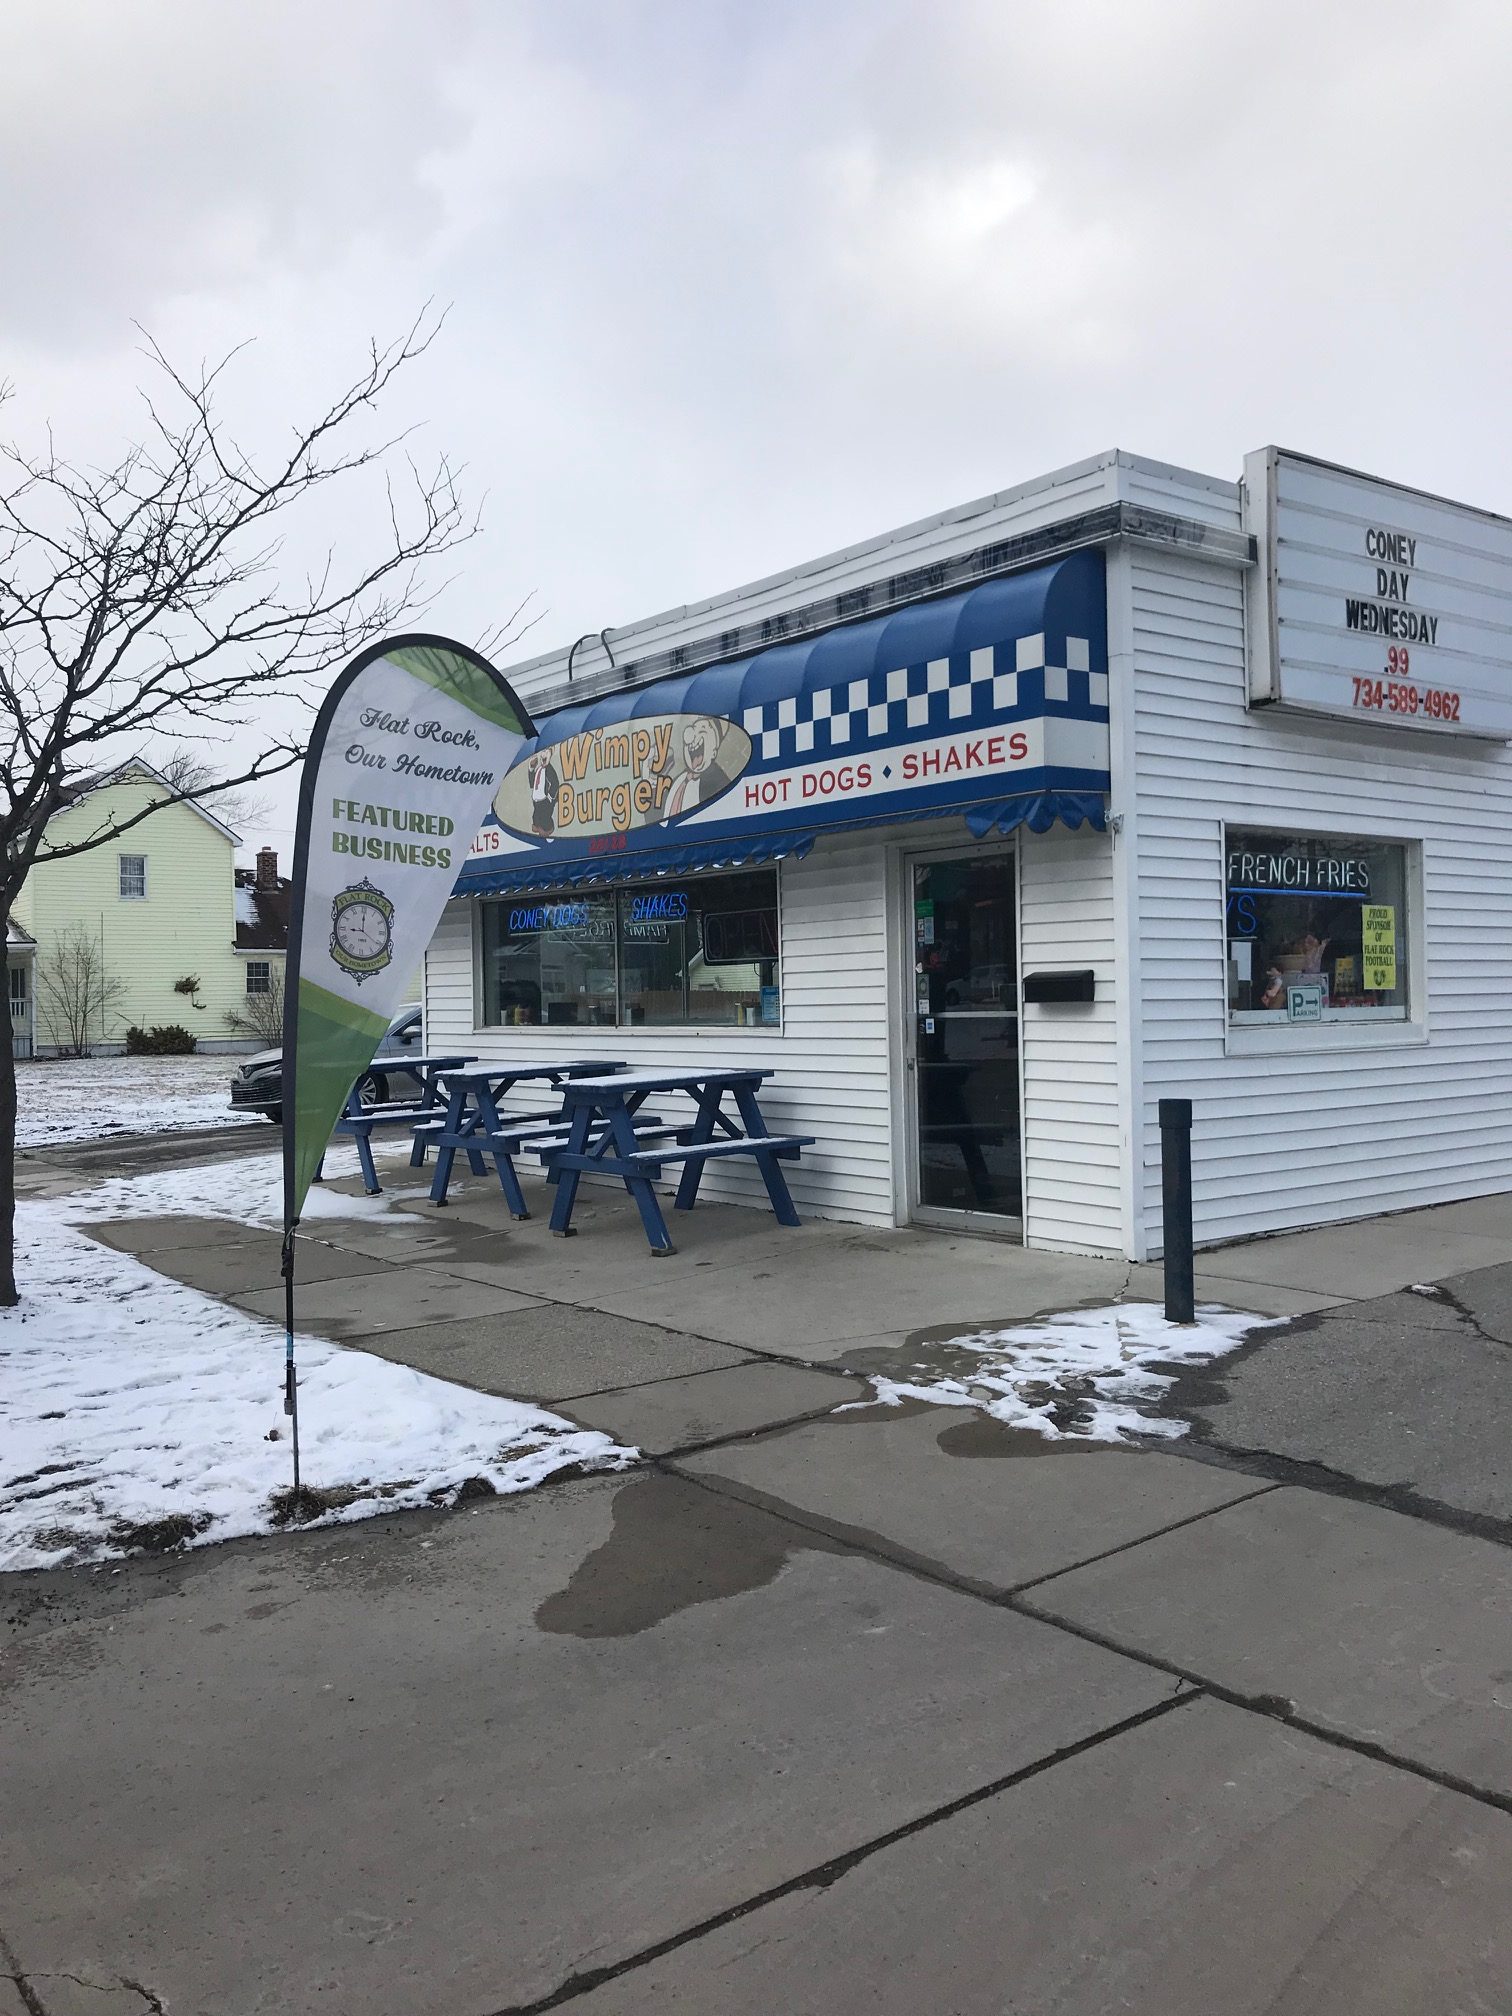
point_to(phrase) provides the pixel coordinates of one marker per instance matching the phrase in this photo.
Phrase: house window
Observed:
(649, 954)
(133, 877)
(259, 976)
(18, 993)
(1317, 928)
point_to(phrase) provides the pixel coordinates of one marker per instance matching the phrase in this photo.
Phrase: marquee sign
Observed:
(957, 703)
(1377, 603)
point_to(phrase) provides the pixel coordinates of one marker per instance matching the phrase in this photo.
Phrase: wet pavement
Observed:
(884, 1709)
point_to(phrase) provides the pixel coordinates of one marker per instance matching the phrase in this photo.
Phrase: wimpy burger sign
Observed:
(648, 772)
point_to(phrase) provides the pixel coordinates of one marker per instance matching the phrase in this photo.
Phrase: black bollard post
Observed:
(1176, 1191)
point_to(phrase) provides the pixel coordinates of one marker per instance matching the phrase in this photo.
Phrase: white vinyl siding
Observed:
(1073, 1153)
(830, 1057)
(1339, 1123)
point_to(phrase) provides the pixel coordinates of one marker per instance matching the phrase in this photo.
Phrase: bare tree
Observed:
(191, 774)
(261, 1015)
(150, 600)
(77, 995)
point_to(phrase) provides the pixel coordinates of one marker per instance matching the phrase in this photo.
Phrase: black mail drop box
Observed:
(1078, 985)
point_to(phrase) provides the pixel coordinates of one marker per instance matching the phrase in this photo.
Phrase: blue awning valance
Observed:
(1039, 813)
(643, 865)
(995, 697)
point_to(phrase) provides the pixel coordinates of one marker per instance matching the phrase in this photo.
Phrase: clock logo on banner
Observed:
(362, 930)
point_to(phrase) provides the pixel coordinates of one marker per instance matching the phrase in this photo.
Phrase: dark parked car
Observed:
(258, 1085)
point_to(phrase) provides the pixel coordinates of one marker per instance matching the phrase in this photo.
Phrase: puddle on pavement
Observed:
(979, 1435)
(672, 1546)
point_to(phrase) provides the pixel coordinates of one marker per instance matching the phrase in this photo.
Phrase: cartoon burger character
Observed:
(544, 784)
(701, 777)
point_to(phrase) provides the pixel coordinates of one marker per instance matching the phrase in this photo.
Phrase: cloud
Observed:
(736, 285)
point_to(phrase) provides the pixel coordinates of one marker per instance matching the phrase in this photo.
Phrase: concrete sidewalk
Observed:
(892, 1709)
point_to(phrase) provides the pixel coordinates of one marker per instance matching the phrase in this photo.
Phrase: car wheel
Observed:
(275, 1114)
(373, 1090)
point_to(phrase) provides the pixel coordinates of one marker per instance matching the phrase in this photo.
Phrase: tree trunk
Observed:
(8, 1295)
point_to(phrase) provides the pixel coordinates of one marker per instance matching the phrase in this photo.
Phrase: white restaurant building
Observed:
(985, 835)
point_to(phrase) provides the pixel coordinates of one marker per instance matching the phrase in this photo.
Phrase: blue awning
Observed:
(645, 865)
(1039, 813)
(990, 704)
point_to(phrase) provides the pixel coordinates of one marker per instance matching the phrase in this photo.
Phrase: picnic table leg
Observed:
(766, 1159)
(701, 1131)
(567, 1183)
(641, 1188)
(446, 1156)
(509, 1181)
(364, 1139)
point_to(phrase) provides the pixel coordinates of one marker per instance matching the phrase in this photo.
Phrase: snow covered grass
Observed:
(1085, 1374)
(130, 1403)
(61, 1099)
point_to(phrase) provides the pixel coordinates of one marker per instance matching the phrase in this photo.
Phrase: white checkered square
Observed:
(1005, 690)
(820, 702)
(1057, 685)
(771, 742)
(918, 709)
(1097, 688)
(787, 712)
(753, 719)
(937, 676)
(803, 737)
(983, 664)
(960, 701)
(876, 719)
(1078, 654)
(859, 695)
(840, 728)
(897, 684)
(1029, 653)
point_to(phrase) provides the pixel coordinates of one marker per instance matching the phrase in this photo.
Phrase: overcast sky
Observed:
(732, 284)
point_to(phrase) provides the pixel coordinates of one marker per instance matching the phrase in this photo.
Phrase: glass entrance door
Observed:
(964, 1035)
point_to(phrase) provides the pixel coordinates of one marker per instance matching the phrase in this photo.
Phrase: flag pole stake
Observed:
(291, 1379)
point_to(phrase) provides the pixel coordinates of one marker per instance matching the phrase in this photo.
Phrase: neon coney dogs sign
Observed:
(651, 771)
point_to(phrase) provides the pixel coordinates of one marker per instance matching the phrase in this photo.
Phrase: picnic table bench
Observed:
(603, 1140)
(473, 1124)
(358, 1120)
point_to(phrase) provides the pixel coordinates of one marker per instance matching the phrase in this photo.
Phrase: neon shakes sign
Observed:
(648, 772)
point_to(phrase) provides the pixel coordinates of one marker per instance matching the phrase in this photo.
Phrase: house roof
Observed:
(14, 935)
(78, 788)
(262, 915)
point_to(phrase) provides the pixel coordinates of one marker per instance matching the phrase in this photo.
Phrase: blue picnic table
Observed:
(473, 1124)
(602, 1140)
(359, 1118)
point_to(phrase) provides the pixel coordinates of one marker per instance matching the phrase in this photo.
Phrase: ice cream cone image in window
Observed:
(702, 776)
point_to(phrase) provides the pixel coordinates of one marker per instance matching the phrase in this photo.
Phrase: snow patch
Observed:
(1081, 1374)
(127, 1399)
(61, 1099)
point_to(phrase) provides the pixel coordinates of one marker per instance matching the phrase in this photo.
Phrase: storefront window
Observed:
(649, 954)
(1316, 928)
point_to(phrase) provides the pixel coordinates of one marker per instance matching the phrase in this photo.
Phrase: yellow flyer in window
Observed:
(1378, 931)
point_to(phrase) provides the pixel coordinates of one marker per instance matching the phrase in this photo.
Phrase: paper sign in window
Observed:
(1378, 957)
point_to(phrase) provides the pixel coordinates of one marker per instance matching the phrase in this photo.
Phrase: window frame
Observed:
(1270, 1034)
(130, 895)
(265, 967)
(615, 890)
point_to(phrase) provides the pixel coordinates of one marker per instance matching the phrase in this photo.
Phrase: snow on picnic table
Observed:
(61, 1099)
(128, 1400)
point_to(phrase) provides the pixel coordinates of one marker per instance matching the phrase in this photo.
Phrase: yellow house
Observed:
(122, 930)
